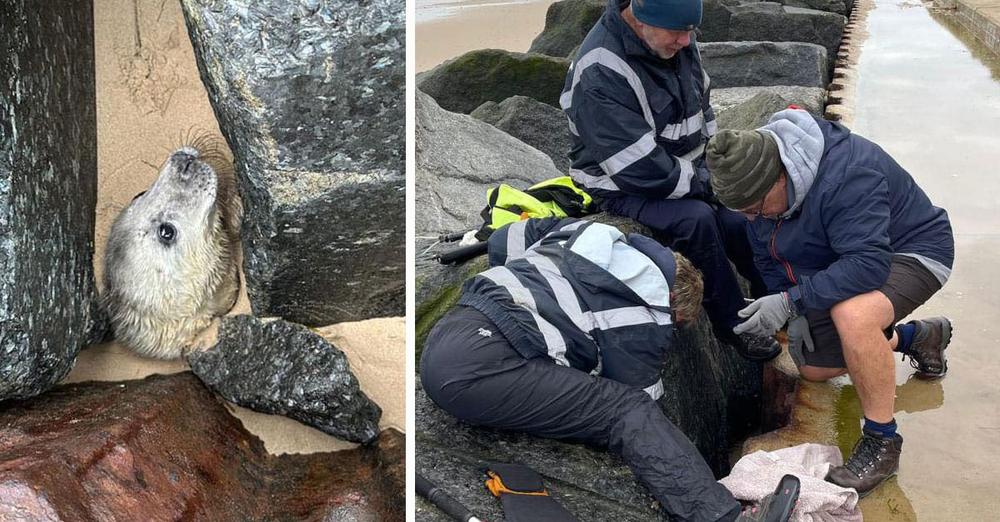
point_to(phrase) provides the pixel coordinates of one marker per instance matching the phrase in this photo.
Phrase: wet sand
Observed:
(149, 97)
(448, 29)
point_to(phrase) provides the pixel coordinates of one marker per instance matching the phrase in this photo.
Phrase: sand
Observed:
(448, 29)
(149, 98)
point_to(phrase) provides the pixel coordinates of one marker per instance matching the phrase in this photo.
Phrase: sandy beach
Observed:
(149, 98)
(446, 29)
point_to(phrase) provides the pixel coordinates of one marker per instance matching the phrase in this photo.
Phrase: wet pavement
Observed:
(929, 94)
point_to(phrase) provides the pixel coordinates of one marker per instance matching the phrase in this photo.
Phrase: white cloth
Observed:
(757, 474)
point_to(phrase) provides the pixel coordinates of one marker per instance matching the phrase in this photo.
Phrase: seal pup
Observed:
(172, 260)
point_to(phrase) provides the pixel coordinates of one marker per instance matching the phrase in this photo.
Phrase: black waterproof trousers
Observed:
(470, 370)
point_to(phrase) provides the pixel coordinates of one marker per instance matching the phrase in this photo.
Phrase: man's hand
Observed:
(799, 336)
(766, 315)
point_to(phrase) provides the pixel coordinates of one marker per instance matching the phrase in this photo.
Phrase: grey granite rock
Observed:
(747, 64)
(286, 369)
(540, 125)
(746, 108)
(48, 192)
(567, 23)
(466, 82)
(458, 158)
(310, 97)
(773, 22)
(715, 20)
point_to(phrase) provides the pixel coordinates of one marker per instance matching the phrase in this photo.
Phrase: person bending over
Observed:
(564, 338)
(848, 245)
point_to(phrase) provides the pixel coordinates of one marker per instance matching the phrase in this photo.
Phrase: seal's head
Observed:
(171, 260)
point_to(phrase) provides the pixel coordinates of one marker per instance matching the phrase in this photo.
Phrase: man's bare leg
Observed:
(860, 321)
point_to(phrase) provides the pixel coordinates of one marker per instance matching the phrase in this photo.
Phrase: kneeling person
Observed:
(564, 338)
(848, 245)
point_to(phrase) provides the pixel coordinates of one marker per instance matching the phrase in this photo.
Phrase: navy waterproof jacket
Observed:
(639, 123)
(582, 294)
(851, 208)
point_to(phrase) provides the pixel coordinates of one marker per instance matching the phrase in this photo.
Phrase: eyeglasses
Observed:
(753, 214)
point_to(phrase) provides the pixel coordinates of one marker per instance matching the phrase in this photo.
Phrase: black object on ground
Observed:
(462, 254)
(523, 495)
(443, 501)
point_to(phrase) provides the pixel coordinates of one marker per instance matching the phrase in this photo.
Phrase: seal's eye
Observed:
(167, 233)
(139, 195)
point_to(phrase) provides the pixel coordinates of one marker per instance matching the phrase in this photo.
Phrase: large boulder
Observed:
(286, 369)
(466, 82)
(458, 158)
(567, 23)
(540, 125)
(747, 64)
(715, 20)
(745, 108)
(48, 192)
(773, 22)
(310, 97)
(164, 448)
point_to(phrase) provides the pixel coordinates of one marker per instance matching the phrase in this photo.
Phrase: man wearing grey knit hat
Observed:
(848, 245)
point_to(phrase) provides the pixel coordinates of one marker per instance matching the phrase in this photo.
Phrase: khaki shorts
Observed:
(910, 285)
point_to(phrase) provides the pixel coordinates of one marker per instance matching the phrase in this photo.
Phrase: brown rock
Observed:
(164, 448)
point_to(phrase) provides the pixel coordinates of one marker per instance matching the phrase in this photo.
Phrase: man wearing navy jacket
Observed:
(564, 337)
(637, 99)
(848, 245)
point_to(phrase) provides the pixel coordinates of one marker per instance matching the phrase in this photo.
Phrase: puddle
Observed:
(929, 94)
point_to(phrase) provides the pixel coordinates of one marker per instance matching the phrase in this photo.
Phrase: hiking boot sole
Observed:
(872, 490)
(946, 330)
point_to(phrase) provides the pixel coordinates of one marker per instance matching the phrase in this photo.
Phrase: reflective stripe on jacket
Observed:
(639, 123)
(579, 293)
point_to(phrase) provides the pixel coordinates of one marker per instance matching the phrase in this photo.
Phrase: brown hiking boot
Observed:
(873, 460)
(929, 342)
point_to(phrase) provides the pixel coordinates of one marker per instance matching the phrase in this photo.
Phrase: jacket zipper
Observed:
(774, 254)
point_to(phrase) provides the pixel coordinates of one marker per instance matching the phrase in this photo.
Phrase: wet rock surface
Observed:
(48, 192)
(748, 64)
(538, 124)
(747, 108)
(164, 448)
(286, 369)
(567, 23)
(466, 82)
(310, 97)
(458, 158)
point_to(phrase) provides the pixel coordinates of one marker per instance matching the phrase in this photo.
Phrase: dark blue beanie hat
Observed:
(678, 15)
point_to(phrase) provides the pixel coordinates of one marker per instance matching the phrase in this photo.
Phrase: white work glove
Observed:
(799, 336)
(766, 315)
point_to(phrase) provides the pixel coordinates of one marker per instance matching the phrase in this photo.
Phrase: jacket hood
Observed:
(801, 145)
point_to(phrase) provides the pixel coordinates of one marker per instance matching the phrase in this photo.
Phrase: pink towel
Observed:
(757, 474)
